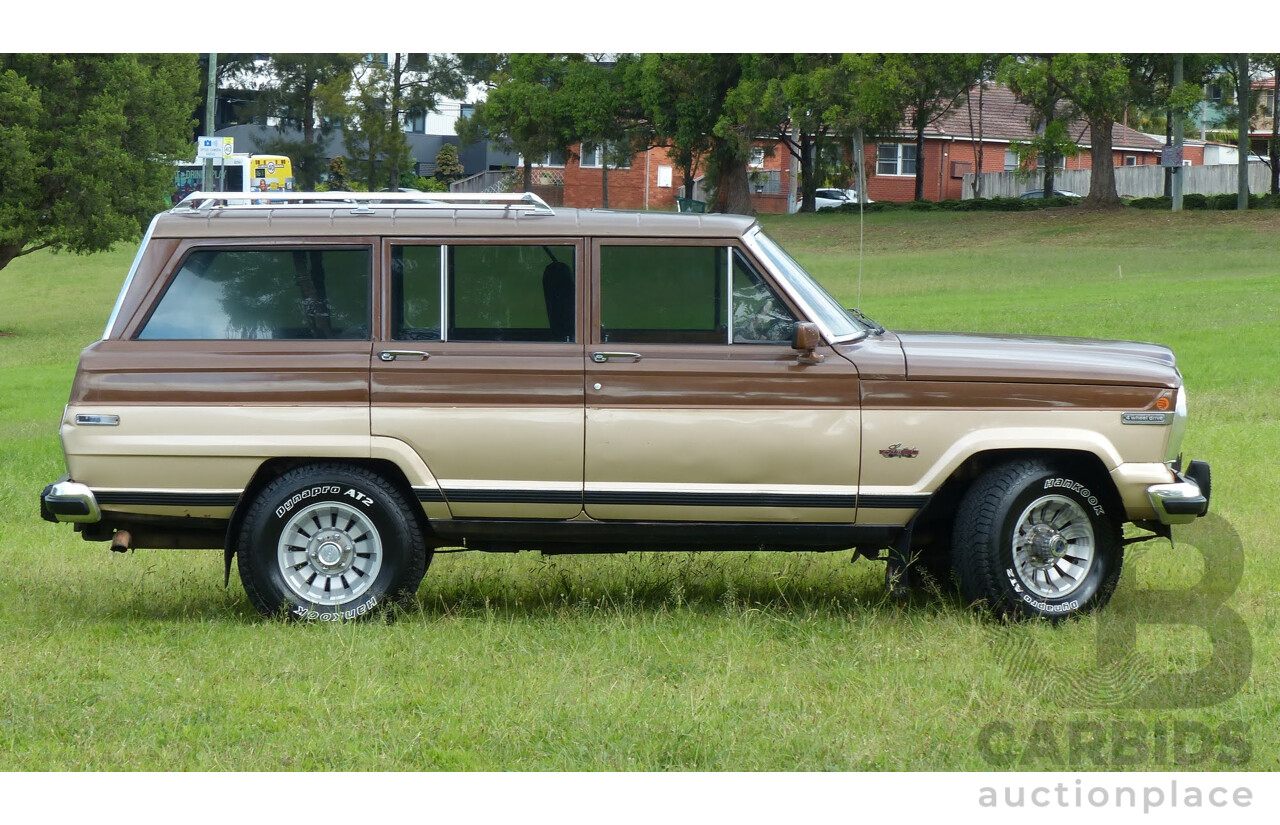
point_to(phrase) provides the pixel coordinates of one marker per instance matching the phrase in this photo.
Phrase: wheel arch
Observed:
(940, 512)
(273, 468)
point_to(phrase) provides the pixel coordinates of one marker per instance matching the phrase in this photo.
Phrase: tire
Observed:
(329, 542)
(1031, 540)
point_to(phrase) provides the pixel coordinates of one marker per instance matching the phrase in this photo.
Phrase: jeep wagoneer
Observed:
(329, 387)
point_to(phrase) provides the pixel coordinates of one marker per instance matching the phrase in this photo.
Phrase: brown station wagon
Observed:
(330, 390)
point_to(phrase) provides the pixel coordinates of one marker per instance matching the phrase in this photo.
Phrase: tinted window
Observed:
(759, 315)
(415, 293)
(492, 293)
(663, 294)
(277, 293)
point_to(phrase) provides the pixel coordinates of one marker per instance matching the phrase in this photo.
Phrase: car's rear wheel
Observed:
(328, 542)
(1034, 541)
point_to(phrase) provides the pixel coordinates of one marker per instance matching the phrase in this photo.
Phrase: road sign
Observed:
(1171, 156)
(228, 146)
(209, 147)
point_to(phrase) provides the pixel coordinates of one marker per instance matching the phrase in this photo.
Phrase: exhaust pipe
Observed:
(121, 541)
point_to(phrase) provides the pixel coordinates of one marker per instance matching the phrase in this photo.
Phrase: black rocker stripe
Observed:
(894, 502)
(153, 498)
(651, 498)
(678, 499)
(515, 496)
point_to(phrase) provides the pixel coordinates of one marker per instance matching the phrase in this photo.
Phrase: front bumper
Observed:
(68, 501)
(1186, 499)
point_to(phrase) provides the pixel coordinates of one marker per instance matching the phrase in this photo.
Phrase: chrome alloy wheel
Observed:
(1053, 546)
(329, 553)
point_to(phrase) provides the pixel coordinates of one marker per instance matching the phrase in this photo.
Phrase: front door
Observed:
(698, 409)
(479, 369)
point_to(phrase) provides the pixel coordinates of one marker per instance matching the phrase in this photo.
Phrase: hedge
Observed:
(1189, 201)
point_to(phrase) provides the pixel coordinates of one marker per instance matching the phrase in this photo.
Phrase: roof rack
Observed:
(363, 202)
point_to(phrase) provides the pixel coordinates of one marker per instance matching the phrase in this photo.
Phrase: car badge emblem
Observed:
(899, 451)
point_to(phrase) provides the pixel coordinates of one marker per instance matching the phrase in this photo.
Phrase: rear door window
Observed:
(491, 292)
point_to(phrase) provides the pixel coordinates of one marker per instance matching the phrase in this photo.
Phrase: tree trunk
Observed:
(1275, 129)
(1102, 184)
(733, 194)
(394, 155)
(688, 180)
(1049, 166)
(920, 162)
(808, 186)
(977, 166)
(528, 174)
(604, 177)
(1242, 136)
(8, 252)
(1168, 141)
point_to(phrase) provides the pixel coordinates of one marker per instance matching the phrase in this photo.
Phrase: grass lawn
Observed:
(683, 661)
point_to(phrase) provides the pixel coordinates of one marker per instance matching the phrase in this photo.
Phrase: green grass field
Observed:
(681, 661)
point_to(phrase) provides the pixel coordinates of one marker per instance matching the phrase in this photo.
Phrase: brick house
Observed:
(652, 179)
(950, 149)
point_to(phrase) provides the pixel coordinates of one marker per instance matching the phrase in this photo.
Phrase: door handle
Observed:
(602, 357)
(395, 354)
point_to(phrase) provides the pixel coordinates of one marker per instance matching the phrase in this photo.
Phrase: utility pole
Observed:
(1177, 137)
(210, 101)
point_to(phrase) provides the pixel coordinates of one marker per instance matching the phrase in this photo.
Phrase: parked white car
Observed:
(831, 198)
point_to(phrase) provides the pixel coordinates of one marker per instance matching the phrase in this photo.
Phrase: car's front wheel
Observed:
(328, 542)
(1031, 540)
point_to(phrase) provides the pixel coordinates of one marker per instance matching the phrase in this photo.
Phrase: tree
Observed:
(87, 144)
(931, 84)
(520, 111)
(682, 96)
(337, 180)
(299, 90)
(1101, 87)
(810, 100)
(988, 66)
(1273, 146)
(384, 93)
(1049, 119)
(597, 103)
(448, 167)
(1244, 108)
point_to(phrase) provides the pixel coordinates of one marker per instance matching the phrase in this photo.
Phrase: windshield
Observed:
(817, 302)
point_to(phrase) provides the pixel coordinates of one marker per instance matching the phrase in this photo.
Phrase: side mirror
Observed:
(807, 340)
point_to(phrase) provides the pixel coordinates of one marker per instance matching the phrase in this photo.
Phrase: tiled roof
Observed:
(1004, 118)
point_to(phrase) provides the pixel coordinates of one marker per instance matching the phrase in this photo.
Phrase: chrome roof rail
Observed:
(365, 202)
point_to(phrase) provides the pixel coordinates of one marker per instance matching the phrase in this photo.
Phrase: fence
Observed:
(487, 182)
(1131, 181)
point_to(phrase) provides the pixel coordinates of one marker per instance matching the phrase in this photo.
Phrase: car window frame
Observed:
(384, 286)
(732, 245)
(173, 266)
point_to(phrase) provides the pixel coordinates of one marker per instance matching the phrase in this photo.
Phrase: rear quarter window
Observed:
(302, 293)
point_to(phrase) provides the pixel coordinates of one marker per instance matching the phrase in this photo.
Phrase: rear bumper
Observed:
(1184, 500)
(69, 501)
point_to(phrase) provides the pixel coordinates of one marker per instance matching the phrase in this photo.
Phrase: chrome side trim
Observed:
(1179, 428)
(97, 420)
(133, 270)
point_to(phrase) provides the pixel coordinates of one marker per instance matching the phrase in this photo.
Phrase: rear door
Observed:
(478, 367)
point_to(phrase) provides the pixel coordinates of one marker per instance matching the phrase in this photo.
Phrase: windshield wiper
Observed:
(856, 314)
